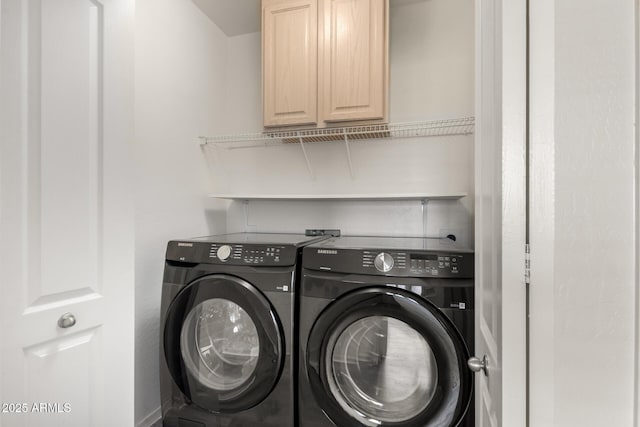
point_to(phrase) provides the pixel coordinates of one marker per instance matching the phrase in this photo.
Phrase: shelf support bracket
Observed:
(306, 157)
(346, 145)
(423, 206)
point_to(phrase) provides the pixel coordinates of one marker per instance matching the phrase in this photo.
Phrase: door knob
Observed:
(67, 320)
(477, 365)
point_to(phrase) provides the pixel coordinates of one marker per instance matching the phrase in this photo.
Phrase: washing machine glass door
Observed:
(382, 356)
(223, 343)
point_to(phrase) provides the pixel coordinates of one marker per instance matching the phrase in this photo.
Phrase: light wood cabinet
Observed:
(325, 61)
(353, 61)
(290, 62)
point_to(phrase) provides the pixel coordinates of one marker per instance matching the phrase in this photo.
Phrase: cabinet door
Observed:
(290, 63)
(354, 64)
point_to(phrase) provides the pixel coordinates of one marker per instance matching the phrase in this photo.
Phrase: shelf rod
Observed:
(306, 157)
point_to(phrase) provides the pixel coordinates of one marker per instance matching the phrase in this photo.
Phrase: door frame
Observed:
(551, 251)
(636, 388)
(514, 211)
(540, 393)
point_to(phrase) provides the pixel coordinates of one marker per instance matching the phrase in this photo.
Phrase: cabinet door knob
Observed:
(67, 320)
(477, 365)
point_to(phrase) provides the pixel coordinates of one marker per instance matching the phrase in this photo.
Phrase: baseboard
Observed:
(150, 419)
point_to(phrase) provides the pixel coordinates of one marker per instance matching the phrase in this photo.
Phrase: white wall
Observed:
(179, 88)
(355, 218)
(583, 258)
(431, 61)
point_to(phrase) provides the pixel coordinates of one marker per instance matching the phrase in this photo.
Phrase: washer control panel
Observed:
(248, 254)
(232, 253)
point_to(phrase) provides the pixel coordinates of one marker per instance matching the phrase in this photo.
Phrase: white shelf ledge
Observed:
(446, 127)
(342, 197)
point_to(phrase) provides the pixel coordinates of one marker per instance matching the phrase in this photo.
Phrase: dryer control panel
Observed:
(438, 264)
(398, 263)
(418, 264)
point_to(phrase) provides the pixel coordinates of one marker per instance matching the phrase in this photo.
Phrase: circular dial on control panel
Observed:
(383, 262)
(223, 252)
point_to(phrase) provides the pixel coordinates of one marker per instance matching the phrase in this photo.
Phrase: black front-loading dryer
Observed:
(227, 330)
(386, 329)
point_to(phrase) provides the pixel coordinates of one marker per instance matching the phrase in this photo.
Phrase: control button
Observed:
(223, 252)
(384, 262)
(454, 259)
(414, 263)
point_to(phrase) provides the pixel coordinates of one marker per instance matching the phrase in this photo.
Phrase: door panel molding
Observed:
(50, 301)
(48, 348)
(53, 182)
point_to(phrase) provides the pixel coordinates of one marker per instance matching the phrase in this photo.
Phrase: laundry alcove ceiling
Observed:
(232, 17)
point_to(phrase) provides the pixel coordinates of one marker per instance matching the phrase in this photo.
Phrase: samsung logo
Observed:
(328, 251)
(189, 245)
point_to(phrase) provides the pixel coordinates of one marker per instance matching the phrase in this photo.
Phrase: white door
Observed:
(66, 218)
(500, 212)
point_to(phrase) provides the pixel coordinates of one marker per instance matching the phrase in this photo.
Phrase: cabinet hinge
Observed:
(527, 264)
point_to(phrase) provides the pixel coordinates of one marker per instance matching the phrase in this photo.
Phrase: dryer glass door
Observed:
(381, 367)
(223, 344)
(381, 356)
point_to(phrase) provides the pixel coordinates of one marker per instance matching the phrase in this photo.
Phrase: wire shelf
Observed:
(458, 126)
